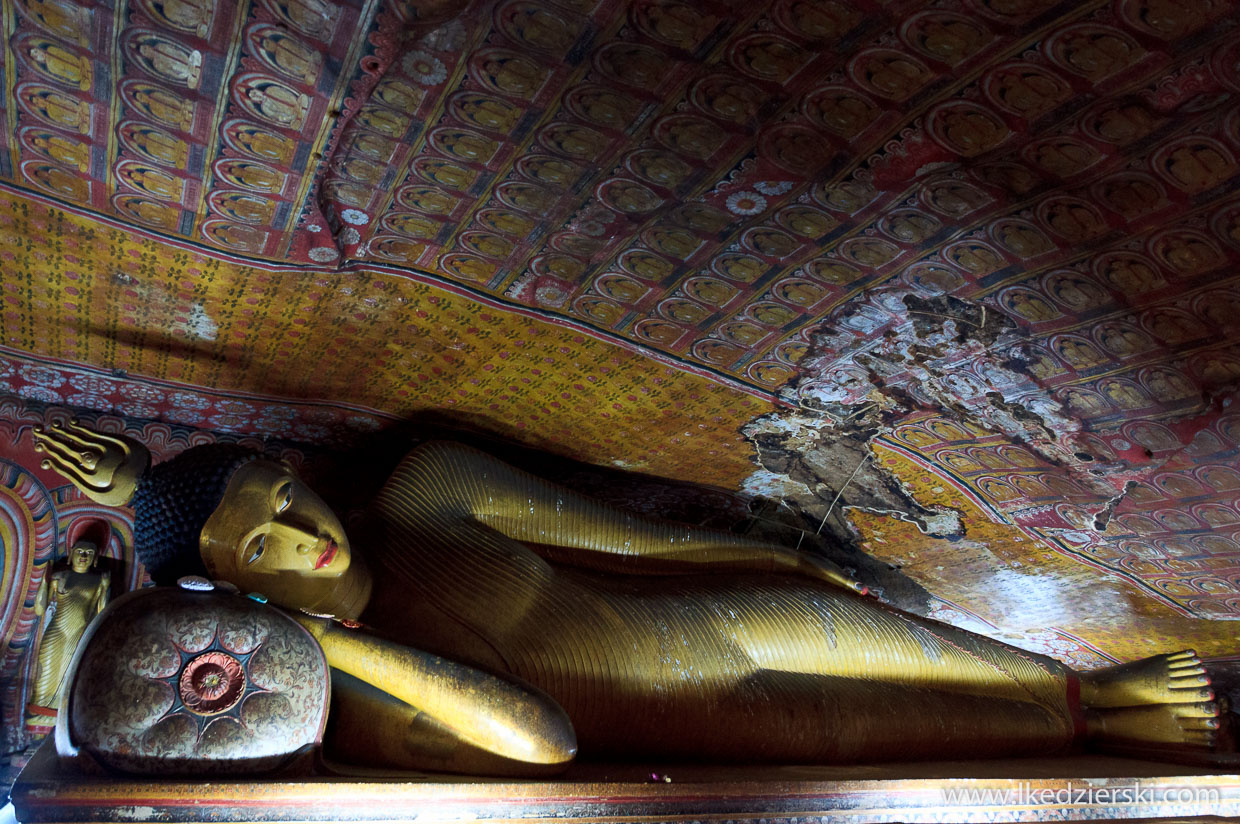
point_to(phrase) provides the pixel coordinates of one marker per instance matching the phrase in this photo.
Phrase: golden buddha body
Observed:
(668, 640)
(74, 596)
(656, 639)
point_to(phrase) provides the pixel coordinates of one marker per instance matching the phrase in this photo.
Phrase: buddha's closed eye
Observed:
(256, 548)
(283, 497)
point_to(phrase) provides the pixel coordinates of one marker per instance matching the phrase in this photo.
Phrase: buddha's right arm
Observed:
(102, 593)
(455, 482)
(42, 597)
(497, 715)
(371, 728)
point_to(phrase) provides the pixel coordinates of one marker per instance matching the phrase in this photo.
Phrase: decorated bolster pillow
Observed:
(171, 681)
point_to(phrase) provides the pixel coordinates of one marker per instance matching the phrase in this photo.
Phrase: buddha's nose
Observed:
(295, 535)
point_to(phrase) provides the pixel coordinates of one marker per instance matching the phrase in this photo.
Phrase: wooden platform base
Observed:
(1071, 789)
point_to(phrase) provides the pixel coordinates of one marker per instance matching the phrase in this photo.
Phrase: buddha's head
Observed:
(82, 556)
(229, 514)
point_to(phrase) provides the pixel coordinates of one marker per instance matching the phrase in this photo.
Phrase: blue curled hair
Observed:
(174, 501)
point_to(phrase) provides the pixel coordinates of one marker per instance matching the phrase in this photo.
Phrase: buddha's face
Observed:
(270, 534)
(81, 557)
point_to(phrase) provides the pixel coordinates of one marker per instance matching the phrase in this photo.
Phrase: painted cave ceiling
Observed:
(953, 282)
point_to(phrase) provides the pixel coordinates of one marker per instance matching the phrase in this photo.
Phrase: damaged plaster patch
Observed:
(807, 458)
(900, 352)
(872, 364)
(891, 360)
(199, 324)
(182, 317)
(815, 472)
(1104, 517)
(890, 354)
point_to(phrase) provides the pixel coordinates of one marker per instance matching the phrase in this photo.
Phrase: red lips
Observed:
(327, 556)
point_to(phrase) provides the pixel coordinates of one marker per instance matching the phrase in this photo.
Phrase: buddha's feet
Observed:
(1165, 700)
(1155, 725)
(1177, 678)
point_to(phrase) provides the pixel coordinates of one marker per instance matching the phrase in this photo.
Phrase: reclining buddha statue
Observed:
(509, 621)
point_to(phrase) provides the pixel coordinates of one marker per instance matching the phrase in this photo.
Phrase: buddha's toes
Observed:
(1191, 725)
(1177, 678)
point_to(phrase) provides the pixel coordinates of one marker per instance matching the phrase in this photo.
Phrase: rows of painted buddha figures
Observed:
(195, 118)
(709, 181)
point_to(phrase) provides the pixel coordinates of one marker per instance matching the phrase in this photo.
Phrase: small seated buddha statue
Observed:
(502, 607)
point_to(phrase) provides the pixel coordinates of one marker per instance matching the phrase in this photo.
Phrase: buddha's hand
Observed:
(827, 571)
(106, 468)
(41, 599)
